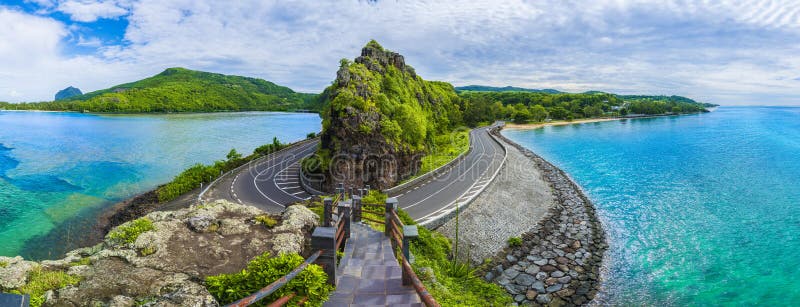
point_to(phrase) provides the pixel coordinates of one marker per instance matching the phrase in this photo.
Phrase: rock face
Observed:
(166, 266)
(378, 118)
(67, 93)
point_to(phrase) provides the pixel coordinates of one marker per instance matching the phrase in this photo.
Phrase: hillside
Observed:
(67, 93)
(184, 90)
(379, 113)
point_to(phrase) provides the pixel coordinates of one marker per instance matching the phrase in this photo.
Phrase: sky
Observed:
(726, 52)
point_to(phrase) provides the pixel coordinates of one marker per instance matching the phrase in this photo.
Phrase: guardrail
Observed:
(393, 191)
(306, 184)
(249, 163)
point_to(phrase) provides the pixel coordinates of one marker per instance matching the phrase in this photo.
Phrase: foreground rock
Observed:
(166, 266)
(559, 260)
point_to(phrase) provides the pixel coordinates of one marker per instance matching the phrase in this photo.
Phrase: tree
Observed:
(538, 113)
(233, 155)
(559, 113)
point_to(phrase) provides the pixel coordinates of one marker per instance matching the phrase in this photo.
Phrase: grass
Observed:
(41, 280)
(447, 147)
(128, 233)
(455, 283)
(266, 220)
(3, 264)
(514, 241)
(82, 261)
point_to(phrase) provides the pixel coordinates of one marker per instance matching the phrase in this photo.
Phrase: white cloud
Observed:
(90, 10)
(718, 51)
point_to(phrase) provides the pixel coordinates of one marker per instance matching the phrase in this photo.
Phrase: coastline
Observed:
(512, 126)
(560, 257)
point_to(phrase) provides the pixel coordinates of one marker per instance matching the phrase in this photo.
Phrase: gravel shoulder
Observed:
(511, 205)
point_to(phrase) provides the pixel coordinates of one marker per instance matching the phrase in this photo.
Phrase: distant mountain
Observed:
(68, 92)
(184, 90)
(484, 88)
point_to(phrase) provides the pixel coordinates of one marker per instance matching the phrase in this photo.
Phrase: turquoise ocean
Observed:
(59, 170)
(698, 209)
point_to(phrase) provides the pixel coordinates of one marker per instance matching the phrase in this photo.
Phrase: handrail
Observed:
(400, 235)
(274, 286)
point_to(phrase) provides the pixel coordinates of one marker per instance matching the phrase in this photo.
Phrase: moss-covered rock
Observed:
(379, 118)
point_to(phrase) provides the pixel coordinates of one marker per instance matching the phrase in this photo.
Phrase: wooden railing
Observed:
(331, 237)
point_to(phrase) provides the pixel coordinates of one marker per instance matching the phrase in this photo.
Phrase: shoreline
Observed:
(560, 259)
(531, 126)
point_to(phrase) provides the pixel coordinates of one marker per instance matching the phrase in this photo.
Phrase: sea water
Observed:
(58, 170)
(698, 209)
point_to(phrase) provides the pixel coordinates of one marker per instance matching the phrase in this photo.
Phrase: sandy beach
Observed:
(559, 123)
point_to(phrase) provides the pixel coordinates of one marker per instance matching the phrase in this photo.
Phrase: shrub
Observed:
(40, 281)
(129, 233)
(266, 220)
(262, 271)
(311, 135)
(514, 241)
(147, 251)
(3, 264)
(82, 261)
(374, 197)
(456, 284)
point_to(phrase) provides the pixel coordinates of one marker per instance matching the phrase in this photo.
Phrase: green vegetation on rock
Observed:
(184, 90)
(265, 269)
(514, 241)
(266, 220)
(41, 280)
(128, 232)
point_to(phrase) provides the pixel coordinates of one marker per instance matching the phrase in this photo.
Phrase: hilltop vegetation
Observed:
(521, 107)
(184, 90)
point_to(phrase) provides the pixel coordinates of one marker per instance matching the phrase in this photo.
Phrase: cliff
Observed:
(379, 118)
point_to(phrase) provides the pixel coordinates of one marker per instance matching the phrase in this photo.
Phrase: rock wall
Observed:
(166, 266)
(558, 262)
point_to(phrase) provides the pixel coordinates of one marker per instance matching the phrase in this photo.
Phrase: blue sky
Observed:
(727, 52)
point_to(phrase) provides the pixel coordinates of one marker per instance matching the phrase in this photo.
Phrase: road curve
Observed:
(440, 195)
(272, 183)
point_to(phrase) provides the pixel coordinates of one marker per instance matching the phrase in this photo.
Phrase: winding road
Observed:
(441, 195)
(273, 182)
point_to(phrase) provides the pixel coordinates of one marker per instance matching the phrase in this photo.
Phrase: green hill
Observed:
(184, 90)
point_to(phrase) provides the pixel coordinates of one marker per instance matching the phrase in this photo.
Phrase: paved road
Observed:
(271, 183)
(440, 195)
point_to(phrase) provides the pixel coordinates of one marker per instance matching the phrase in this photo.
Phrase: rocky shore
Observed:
(559, 260)
(165, 263)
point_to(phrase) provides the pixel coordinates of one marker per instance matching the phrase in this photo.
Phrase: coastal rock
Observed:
(14, 272)
(165, 266)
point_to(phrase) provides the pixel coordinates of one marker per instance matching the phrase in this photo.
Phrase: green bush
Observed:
(455, 283)
(311, 135)
(266, 220)
(374, 197)
(514, 241)
(262, 271)
(41, 280)
(128, 233)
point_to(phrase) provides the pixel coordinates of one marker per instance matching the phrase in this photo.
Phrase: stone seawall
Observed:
(559, 260)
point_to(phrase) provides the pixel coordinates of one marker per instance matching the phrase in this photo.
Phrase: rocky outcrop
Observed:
(166, 266)
(67, 93)
(378, 119)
